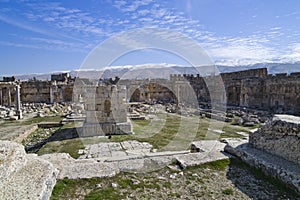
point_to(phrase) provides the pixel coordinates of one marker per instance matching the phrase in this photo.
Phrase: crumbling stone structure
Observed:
(105, 107)
(281, 137)
(6, 97)
(255, 88)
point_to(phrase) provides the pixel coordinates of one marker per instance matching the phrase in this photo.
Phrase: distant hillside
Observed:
(163, 71)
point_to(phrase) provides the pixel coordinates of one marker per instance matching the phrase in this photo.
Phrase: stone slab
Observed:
(83, 168)
(194, 159)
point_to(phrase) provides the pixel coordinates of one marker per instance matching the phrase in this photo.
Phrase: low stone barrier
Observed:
(280, 137)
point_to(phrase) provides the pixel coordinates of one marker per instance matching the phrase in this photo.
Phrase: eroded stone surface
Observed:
(115, 149)
(275, 166)
(207, 151)
(280, 137)
(83, 168)
(24, 176)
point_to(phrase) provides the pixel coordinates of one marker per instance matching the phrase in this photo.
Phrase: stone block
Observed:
(279, 137)
(24, 176)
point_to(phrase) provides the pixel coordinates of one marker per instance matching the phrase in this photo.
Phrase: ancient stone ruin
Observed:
(253, 88)
(274, 148)
(106, 111)
(281, 137)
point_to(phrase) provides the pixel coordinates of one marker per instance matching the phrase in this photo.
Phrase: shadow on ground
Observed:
(255, 184)
(59, 135)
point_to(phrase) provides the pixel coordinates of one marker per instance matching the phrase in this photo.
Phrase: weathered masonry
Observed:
(255, 88)
(105, 107)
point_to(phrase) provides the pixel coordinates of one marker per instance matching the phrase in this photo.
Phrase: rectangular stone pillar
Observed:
(51, 95)
(18, 102)
(1, 102)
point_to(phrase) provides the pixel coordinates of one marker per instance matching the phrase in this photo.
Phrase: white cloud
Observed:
(94, 27)
(293, 54)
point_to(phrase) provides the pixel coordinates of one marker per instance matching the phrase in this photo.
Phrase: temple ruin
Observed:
(254, 88)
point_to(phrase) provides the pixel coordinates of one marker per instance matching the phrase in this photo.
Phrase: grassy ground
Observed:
(166, 132)
(33, 120)
(209, 181)
(61, 144)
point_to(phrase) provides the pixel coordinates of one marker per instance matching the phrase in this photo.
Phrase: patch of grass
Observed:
(227, 191)
(125, 183)
(66, 146)
(157, 139)
(106, 193)
(30, 121)
(36, 120)
(141, 122)
(175, 194)
(215, 165)
(167, 184)
(63, 187)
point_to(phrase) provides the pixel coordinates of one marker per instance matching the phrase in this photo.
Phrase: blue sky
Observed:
(45, 36)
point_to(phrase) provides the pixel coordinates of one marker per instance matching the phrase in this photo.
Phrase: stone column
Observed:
(1, 102)
(9, 97)
(18, 102)
(51, 95)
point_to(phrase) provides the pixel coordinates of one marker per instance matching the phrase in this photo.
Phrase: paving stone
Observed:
(194, 159)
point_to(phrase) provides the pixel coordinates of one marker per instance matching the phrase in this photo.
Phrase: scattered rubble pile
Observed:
(8, 113)
(247, 117)
(43, 109)
(24, 176)
(37, 109)
(141, 111)
(38, 138)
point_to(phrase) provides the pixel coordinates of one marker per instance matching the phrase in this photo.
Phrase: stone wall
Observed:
(35, 91)
(281, 137)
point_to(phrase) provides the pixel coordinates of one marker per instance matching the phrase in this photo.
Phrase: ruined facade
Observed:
(255, 88)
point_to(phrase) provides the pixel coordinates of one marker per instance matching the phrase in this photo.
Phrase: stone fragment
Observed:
(24, 176)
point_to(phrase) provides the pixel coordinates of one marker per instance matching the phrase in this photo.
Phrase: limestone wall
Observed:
(280, 137)
(35, 91)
